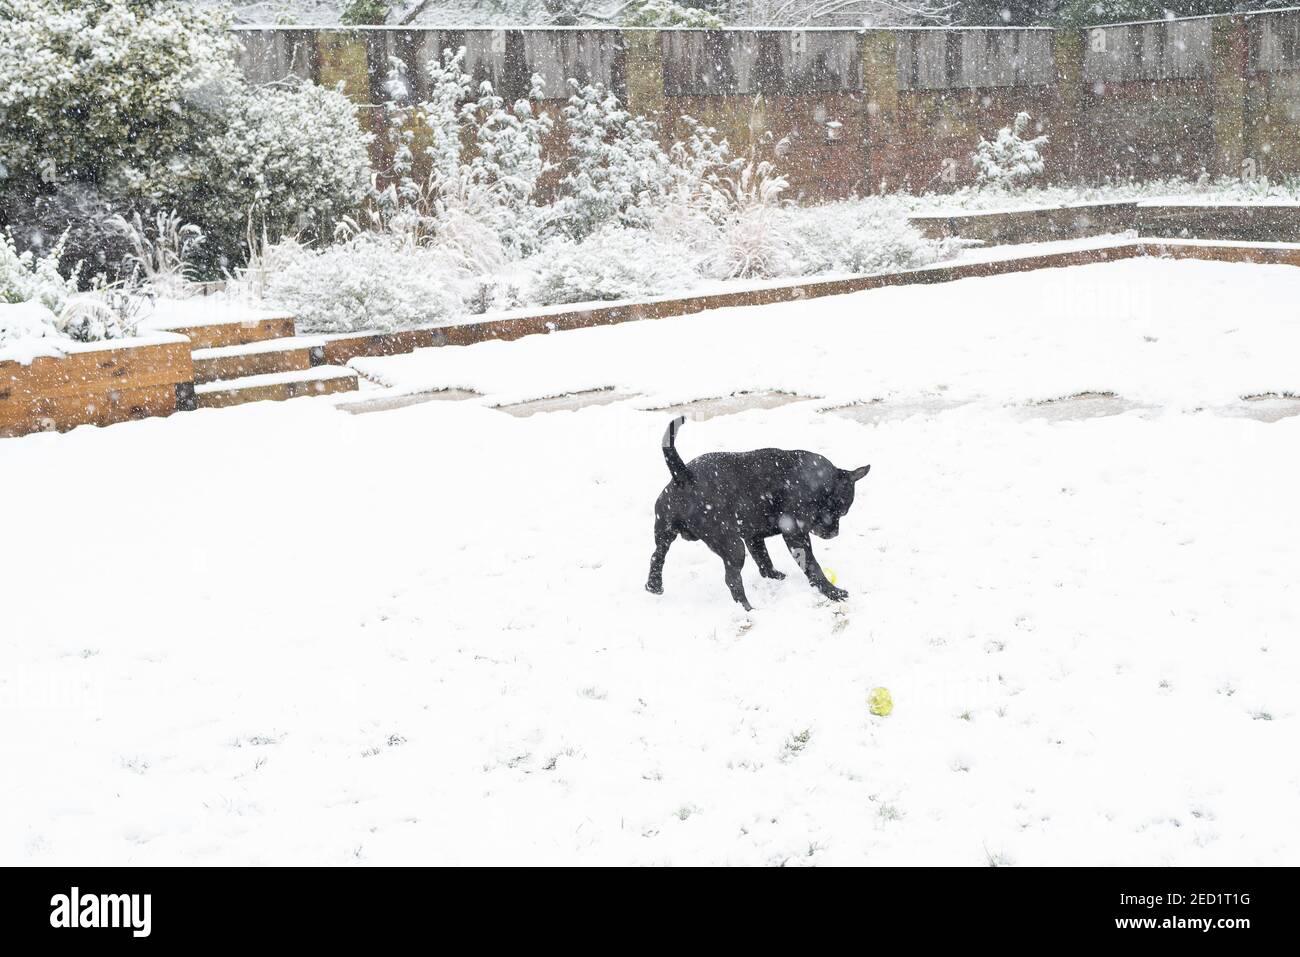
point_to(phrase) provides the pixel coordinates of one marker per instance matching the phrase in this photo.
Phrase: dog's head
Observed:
(836, 501)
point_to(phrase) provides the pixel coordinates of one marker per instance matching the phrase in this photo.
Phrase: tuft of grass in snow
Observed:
(890, 812)
(998, 859)
(795, 744)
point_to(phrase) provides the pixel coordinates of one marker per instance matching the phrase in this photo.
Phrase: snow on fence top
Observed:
(954, 59)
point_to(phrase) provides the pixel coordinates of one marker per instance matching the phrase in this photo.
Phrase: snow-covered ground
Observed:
(282, 633)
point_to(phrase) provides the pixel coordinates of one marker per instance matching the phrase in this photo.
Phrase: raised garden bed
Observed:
(113, 382)
(1272, 222)
(1030, 225)
(97, 383)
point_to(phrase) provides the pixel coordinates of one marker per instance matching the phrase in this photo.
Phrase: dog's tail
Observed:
(675, 464)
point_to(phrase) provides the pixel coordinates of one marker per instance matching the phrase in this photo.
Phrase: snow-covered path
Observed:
(280, 633)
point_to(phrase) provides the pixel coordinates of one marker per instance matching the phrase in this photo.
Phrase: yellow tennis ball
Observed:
(829, 573)
(880, 702)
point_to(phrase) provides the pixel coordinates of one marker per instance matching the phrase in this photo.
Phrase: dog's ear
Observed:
(859, 474)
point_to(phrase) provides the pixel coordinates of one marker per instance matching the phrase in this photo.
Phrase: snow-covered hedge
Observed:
(614, 263)
(368, 282)
(118, 106)
(291, 157)
(860, 237)
(107, 91)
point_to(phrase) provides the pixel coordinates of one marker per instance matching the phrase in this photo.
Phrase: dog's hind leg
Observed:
(758, 549)
(732, 553)
(664, 536)
(801, 548)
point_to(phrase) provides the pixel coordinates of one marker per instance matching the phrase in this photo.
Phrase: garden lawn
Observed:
(285, 634)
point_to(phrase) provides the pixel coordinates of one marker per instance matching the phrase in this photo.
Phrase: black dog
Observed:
(734, 500)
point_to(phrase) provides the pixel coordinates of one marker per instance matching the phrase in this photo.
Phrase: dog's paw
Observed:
(835, 594)
(655, 588)
(773, 574)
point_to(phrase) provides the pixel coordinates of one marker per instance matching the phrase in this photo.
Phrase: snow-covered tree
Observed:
(361, 12)
(615, 167)
(291, 157)
(484, 158)
(508, 163)
(1009, 159)
(838, 13)
(668, 13)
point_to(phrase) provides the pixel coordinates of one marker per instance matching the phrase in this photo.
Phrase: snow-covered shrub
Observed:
(667, 13)
(292, 156)
(860, 237)
(752, 240)
(613, 263)
(103, 314)
(363, 12)
(616, 171)
(443, 115)
(162, 251)
(367, 282)
(111, 92)
(26, 277)
(140, 104)
(508, 164)
(37, 301)
(701, 172)
(482, 205)
(1010, 159)
(495, 294)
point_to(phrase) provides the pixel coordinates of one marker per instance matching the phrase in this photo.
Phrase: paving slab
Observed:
(1264, 408)
(1084, 405)
(701, 410)
(386, 403)
(874, 413)
(569, 402)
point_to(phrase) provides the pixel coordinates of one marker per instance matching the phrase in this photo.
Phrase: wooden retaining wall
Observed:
(97, 384)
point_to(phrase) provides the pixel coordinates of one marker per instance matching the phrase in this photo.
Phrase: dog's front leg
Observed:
(801, 549)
